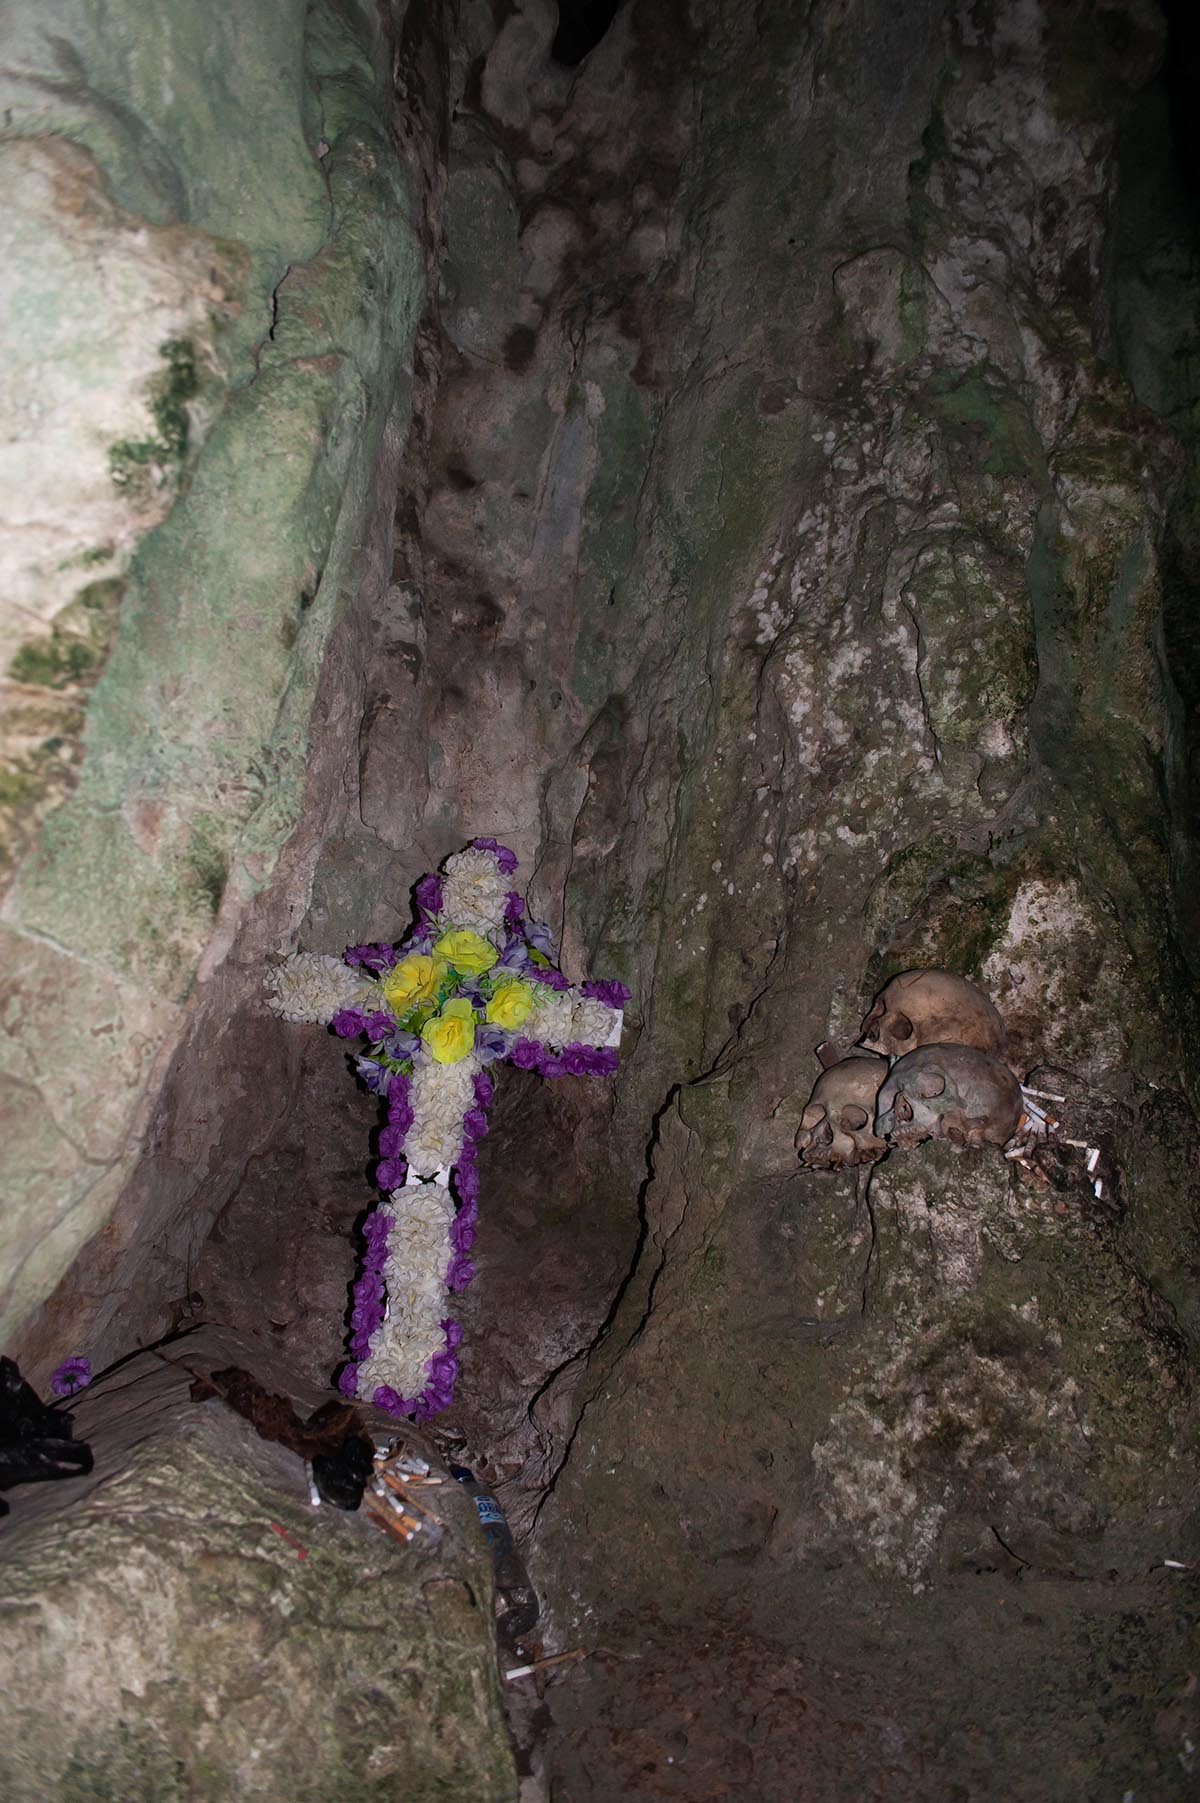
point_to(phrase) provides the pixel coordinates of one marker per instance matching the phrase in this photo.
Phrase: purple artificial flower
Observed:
(605, 1060)
(469, 986)
(373, 1074)
(348, 1381)
(491, 1043)
(429, 894)
(398, 1044)
(453, 1332)
(506, 859)
(485, 1089)
(611, 993)
(475, 1123)
(577, 1059)
(462, 1233)
(73, 1374)
(553, 979)
(375, 958)
(551, 1066)
(348, 1023)
(390, 1174)
(525, 1054)
(459, 1272)
(378, 1025)
(386, 1398)
(419, 940)
(515, 957)
(514, 908)
(540, 938)
(391, 1140)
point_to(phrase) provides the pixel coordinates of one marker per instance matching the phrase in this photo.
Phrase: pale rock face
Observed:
(89, 296)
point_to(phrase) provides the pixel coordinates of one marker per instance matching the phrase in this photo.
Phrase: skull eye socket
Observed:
(900, 1027)
(853, 1117)
(903, 1110)
(930, 1084)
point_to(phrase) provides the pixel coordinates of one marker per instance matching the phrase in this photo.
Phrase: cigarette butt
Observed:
(384, 1518)
(1176, 1565)
(399, 1492)
(1043, 1095)
(314, 1495)
(540, 1665)
(1093, 1159)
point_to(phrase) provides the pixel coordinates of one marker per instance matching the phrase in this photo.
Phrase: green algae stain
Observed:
(46, 725)
(936, 908)
(142, 463)
(993, 421)
(78, 642)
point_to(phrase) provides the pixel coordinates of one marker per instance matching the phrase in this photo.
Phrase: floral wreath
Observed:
(474, 983)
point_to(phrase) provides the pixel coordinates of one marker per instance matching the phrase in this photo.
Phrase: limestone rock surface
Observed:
(183, 1624)
(212, 283)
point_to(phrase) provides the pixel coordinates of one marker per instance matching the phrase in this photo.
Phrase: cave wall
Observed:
(213, 281)
(899, 567)
(750, 471)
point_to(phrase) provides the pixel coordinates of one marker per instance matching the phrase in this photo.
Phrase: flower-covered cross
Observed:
(474, 983)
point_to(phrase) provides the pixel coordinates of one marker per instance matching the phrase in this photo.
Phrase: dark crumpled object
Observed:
(341, 1476)
(331, 1439)
(36, 1442)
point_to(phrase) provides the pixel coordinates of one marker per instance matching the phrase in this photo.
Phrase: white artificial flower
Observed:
(310, 986)
(551, 1019)
(592, 1021)
(474, 891)
(414, 1274)
(441, 1095)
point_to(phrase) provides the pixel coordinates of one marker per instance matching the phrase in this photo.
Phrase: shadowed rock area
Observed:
(744, 458)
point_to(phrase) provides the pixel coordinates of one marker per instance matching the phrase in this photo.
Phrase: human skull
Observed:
(931, 1007)
(835, 1128)
(953, 1092)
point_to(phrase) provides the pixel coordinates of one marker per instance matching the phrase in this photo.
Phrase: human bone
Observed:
(953, 1092)
(931, 1007)
(835, 1128)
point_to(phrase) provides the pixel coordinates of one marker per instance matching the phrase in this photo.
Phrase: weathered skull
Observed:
(931, 1007)
(953, 1092)
(835, 1128)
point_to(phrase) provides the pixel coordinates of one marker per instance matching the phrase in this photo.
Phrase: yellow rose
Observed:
(413, 981)
(511, 1005)
(450, 1035)
(466, 951)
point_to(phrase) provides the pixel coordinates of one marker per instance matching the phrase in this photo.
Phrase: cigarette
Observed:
(1043, 1095)
(314, 1495)
(399, 1491)
(540, 1665)
(1093, 1158)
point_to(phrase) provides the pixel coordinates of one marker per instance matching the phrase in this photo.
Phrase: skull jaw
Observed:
(906, 1138)
(844, 1153)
